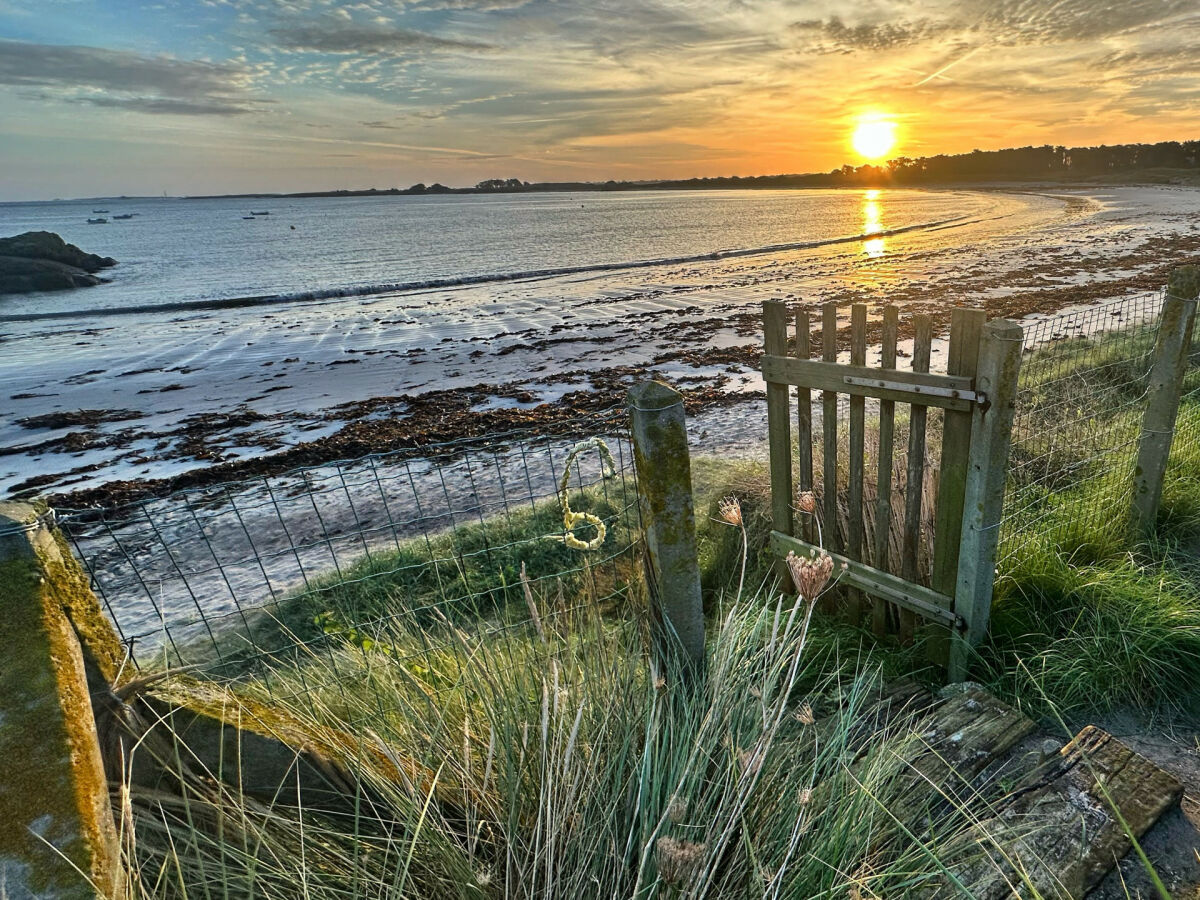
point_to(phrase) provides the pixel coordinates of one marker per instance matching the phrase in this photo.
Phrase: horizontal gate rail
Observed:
(921, 600)
(946, 391)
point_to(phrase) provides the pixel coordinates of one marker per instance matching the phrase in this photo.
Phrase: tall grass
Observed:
(1092, 619)
(561, 763)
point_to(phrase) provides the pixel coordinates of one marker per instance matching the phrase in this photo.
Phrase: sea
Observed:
(277, 250)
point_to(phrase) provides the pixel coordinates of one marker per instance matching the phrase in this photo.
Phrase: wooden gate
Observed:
(977, 394)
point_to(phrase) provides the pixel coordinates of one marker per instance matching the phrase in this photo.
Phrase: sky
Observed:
(107, 97)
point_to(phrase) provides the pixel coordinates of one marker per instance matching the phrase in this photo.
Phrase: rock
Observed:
(43, 261)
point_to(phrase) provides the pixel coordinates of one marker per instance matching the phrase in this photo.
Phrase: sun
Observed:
(874, 137)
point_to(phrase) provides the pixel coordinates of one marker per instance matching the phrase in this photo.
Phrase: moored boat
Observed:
(100, 221)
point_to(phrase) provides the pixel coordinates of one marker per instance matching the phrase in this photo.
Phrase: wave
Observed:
(465, 280)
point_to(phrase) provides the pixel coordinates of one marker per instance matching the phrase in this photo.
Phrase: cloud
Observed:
(334, 35)
(118, 79)
(167, 106)
(53, 65)
(834, 36)
(1038, 22)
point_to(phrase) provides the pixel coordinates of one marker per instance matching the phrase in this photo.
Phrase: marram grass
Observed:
(564, 764)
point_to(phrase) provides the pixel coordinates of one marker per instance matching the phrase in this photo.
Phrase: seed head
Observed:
(731, 510)
(806, 502)
(805, 714)
(805, 796)
(750, 761)
(678, 861)
(677, 810)
(810, 574)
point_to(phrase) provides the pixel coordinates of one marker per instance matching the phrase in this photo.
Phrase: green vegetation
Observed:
(557, 762)
(467, 575)
(1092, 622)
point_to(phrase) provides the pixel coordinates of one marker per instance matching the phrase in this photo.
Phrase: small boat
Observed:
(267, 213)
(99, 210)
(247, 217)
(100, 221)
(125, 216)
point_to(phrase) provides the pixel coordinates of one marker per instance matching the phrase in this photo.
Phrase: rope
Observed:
(571, 518)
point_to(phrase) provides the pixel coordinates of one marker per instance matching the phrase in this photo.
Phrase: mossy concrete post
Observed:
(664, 470)
(57, 834)
(996, 380)
(1171, 350)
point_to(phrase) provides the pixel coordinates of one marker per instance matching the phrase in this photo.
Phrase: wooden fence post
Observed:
(779, 425)
(1171, 350)
(664, 470)
(999, 365)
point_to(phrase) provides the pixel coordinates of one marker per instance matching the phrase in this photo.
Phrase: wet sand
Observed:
(114, 408)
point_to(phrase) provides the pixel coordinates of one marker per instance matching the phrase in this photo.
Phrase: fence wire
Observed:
(1080, 402)
(369, 556)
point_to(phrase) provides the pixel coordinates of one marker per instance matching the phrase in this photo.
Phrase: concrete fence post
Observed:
(57, 834)
(999, 367)
(1171, 350)
(660, 451)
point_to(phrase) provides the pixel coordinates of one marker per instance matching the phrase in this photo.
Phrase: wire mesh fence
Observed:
(372, 555)
(1081, 397)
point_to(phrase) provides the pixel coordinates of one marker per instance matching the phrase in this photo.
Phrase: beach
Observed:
(104, 407)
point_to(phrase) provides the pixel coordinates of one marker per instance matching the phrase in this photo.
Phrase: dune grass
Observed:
(563, 764)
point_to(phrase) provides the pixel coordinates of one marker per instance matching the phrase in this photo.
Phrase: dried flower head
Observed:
(677, 810)
(750, 761)
(805, 714)
(806, 502)
(660, 683)
(810, 574)
(731, 510)
(678, 861)
(805, 796)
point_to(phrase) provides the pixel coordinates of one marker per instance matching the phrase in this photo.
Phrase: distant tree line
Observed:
(1045, 163)
(1018, 164)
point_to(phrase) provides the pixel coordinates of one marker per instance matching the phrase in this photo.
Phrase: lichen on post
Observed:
(665, 492)
(57, 835)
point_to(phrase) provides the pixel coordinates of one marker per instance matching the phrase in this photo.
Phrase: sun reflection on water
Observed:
(872, 224)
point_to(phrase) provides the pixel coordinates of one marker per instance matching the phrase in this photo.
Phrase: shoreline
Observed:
(209, 398)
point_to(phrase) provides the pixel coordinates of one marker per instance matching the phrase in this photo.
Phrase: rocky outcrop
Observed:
(43, 261)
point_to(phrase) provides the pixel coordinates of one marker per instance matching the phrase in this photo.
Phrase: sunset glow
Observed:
(271, 95)
(874, 137)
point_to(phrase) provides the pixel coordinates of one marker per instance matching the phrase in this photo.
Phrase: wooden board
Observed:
(829, 429)
(904, 387)
(1061, 829)
(804, 435)
(883, 476)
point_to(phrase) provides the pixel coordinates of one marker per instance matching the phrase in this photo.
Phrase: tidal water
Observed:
(202, 252)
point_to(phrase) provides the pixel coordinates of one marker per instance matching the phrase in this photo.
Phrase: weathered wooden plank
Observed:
(857, 449)
(904, 594)
(914, 486)
(1065, 825)
(779, 431)
(1171, 349)
(962, 359)
(804, 434)
(987, 476)
(959, 740)
(829, 422)
(883, 477)
(904, 387)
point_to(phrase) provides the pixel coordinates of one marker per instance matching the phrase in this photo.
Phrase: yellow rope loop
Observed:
(571, 518)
